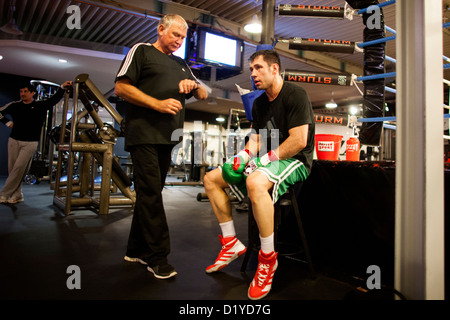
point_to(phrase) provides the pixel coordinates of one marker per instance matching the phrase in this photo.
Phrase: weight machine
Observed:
(235, 141)
(92, 144)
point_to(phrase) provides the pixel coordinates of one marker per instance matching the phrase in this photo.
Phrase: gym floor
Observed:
(38, 244)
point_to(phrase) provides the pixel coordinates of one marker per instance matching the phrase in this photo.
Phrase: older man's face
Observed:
(172, 38)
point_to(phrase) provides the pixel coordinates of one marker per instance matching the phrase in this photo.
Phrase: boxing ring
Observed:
(91, 144)
(412, 238)
(349, 47)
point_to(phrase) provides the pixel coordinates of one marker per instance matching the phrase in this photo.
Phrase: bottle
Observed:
(352, 149)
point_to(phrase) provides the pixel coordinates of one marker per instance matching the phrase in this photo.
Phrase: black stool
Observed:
(289, 199)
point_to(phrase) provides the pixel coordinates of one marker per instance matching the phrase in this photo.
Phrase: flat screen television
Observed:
(212, 49)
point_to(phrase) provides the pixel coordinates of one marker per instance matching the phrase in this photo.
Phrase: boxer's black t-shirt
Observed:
(158, 75)
(291, 108)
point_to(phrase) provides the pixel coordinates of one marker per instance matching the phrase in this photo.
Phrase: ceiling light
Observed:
(353, 110)
(1, 57)
(331, 104)
(254, 26)
(11, 26)
(62, 60)
(220, 119)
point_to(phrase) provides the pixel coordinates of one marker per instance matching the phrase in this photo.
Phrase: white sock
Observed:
(267, 244)
(227, 229)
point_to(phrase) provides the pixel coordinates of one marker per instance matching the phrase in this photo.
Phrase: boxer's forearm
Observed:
(253, 144)
(295, 143)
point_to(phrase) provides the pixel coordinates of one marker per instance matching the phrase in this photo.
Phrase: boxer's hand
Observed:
(229, 175)
(240, 160)
(187, 85)
(171, 106)
(255, 163)
(233, 168)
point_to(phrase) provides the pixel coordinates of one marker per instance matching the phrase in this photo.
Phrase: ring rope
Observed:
(358, 48)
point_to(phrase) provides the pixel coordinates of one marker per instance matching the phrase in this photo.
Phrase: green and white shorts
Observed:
(283, 174)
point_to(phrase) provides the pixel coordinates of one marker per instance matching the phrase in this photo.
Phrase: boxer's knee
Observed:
(212, 179)
(257, 184)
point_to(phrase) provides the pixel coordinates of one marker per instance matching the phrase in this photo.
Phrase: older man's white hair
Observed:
(168, 19)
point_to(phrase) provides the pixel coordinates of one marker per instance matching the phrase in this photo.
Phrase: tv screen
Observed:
(220, 49)
(209, 49)
(215, 48)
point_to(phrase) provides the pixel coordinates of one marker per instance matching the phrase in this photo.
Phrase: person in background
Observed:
(28, 117)
(155, 84)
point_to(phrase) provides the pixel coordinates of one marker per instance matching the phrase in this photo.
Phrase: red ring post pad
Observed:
(329, 12)
(323, 45)
(317, 77)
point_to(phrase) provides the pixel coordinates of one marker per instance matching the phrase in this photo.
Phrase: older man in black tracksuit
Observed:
(155, 83)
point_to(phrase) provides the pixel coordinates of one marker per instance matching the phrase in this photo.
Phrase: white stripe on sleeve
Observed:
(129, 58)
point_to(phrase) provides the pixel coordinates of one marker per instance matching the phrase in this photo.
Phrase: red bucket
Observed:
(328, 146)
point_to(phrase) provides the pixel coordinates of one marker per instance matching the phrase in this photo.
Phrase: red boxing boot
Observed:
(262, 282)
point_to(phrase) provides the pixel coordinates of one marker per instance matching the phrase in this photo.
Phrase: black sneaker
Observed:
(162, 271)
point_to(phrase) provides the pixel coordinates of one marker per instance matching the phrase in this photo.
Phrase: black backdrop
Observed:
(348, 211)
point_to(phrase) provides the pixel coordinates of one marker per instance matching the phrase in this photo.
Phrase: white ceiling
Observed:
(31, 59)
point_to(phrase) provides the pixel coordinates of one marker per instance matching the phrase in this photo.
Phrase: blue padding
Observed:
(264, 47)
(247, 100)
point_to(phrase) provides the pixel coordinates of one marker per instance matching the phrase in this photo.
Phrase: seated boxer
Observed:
(284, 112)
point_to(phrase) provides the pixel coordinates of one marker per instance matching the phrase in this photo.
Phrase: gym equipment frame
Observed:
(94, 142)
